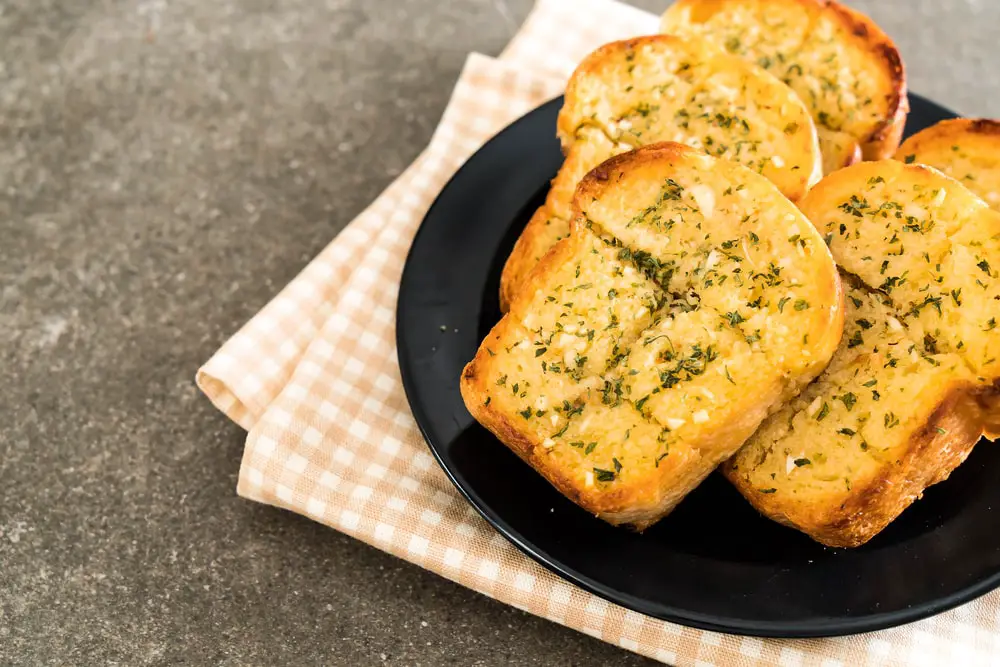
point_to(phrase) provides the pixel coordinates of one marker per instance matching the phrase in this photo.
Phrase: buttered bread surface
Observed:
(914, 382)
(839, 62)
(689, 301)
(967, 149)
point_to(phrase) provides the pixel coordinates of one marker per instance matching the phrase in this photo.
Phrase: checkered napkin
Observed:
(313, 377)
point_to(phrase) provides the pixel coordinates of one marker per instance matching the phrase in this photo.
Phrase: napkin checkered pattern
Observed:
(314, 379)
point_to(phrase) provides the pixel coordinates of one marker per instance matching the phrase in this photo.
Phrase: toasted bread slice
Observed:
(966, 149)
(848, 72)
(663, 88)
(916, 378)
(690, 298)
(666, 88)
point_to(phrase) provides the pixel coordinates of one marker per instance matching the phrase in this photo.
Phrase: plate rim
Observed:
(834, 627)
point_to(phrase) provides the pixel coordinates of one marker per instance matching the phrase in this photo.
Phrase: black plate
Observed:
(714, 563)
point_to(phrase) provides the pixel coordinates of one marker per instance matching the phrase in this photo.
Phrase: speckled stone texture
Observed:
(165, 167)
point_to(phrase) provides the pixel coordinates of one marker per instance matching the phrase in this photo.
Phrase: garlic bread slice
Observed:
(688, 301)
(916, 379)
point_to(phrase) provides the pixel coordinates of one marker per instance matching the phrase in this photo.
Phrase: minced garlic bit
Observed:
(673, 423)
(814, 406)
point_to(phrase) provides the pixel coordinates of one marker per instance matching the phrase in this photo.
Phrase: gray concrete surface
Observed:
(165, 167)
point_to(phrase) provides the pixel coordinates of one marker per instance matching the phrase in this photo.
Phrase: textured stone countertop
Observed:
(165, 167)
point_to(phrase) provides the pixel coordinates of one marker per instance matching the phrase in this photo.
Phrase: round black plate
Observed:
(714, 563)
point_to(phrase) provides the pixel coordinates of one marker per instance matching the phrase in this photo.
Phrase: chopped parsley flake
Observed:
(733, 318)
(849, 399)
(604, 475)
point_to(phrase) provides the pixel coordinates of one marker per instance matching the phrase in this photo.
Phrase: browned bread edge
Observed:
(933, 452)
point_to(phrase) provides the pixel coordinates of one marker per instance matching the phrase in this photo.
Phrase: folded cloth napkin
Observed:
(313, 377)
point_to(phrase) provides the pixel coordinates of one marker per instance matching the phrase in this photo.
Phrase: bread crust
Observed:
(474, 392)
(952, 429)
(533, 242)
(881, 139)
(864, 210)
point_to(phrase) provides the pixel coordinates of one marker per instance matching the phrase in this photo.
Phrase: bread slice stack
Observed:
(662, 88)
(690, 299)
(839, 62)
(916, 378)
(669, 309)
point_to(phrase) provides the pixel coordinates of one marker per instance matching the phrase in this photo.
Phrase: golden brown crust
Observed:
(941, 445)
(987, 126)
(882, 142)
(533, 243)
(947, 130)
(598, 179)
(474, 390)
(550, 221)
(941, 400)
